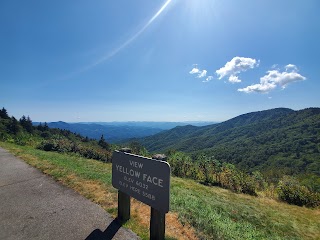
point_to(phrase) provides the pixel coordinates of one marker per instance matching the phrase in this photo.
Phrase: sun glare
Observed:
(199, 11)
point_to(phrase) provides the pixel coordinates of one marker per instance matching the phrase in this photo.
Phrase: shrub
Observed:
(229, 178)
(291, 191)
(45, 135)
(248, 184)
(67, 146)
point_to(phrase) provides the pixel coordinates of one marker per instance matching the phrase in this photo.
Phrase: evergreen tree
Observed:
(102, 142)
(45, 127)
(86, 139)
(29, 126)
(26, 123)
(23, 121)
(4, 113)
(13, 126)
(40, 127)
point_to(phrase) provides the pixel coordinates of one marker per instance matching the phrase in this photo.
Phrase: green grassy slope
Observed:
(215, 213)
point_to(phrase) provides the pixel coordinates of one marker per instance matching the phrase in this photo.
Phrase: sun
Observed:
(201, 9)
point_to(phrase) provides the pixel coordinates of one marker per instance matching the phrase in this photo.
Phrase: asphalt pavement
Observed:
(34, 206)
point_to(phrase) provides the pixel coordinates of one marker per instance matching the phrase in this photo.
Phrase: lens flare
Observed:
(131, 39)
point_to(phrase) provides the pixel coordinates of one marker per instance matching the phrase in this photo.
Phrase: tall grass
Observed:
(220, 214)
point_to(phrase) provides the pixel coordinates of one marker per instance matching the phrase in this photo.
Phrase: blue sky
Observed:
(142, 60)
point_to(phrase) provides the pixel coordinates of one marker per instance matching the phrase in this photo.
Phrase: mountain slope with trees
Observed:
(112, 133)
(277, 140)
(22, 132)
(118, 131)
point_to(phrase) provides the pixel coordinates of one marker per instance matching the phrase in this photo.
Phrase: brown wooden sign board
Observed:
(145, 179)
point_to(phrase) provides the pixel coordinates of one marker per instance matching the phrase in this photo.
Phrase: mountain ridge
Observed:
(260, 140)
(117, 131)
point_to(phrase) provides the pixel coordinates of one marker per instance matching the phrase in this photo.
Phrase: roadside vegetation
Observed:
(211, 172)
(213, 212)
(209, 199)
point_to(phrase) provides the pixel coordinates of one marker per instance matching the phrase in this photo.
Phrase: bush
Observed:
(4, 136)
(46, 135)
(248, 185)
(210, 171)
(291, 191)
(67, 146)
(237, 181)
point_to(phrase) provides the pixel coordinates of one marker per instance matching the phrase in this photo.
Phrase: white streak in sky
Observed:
(118, 49)
(126, 43)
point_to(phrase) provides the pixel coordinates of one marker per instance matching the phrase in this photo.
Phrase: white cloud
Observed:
(282, 78)
(236, 66)
(275, 78)
(260, 88)
(194, 70)
(234, 79)
(208, 79)
(202, 74)
(291, 67)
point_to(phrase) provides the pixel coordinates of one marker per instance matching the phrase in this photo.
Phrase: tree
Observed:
(204, 166)
(40, 127)
(13, 126)
(137, 148)
(4, 113)
(259, 180)
(216, 167)
(86, 139)
(102, 143)
(45, 127)
(26, 123)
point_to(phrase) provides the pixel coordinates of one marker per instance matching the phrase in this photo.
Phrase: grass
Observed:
(220, 213)
(203, 212)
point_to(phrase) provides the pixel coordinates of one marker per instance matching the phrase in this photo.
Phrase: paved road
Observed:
(34, 206)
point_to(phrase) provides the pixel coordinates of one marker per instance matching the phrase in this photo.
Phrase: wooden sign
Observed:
(145, 179)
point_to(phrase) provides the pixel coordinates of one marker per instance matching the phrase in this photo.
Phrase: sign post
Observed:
(123, 201)
(123, 207)
(145, 179)
(157, 224)
(157, 218)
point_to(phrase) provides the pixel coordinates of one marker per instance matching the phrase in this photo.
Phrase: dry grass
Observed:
(91, 189)
(174, 228)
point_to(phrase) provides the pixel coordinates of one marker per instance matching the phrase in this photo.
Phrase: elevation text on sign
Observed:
(146, 179)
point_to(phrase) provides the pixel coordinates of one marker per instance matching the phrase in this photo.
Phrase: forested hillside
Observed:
(115, 132)
(281, 141)
(22, 132)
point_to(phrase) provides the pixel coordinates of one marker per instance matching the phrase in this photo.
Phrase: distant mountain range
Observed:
(119, 131)
(277, 139)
